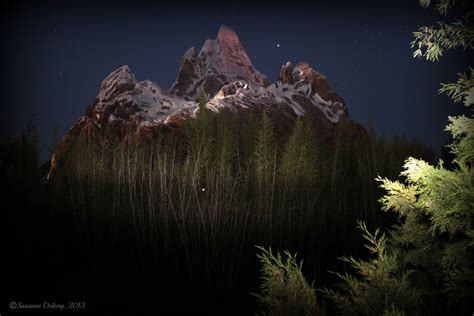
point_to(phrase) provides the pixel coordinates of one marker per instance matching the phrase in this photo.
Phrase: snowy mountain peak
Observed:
(219, 62)
(227, 35)
(303, 74)
(190, 53)
(286, 73)
(234, 58)
(224, 74)
(119, 80)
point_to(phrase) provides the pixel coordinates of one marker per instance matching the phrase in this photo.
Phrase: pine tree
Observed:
(379, 285)
(19, 165)
(264, 158)
(284, 289)
(299, 170)
(201, 153)
(227, 142)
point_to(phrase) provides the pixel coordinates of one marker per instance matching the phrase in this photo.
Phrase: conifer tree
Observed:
(264, 164)
(299, 170)
(379, 285)
(284, 289)
(226, 142)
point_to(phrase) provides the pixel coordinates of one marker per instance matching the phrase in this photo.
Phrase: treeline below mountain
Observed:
(143, 224)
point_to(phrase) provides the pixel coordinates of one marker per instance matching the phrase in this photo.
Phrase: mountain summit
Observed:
(220, 62)
(223, 74)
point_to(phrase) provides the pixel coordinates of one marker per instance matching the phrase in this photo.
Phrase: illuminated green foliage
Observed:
(379, 284)
(299, 168)
(462, 90)
(264, 158)
(430, 41)
(284, 289)
(264, 152)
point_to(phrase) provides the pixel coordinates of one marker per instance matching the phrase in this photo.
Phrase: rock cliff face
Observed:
(223, 74)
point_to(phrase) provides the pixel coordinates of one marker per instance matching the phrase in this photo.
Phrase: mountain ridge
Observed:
(222, 74)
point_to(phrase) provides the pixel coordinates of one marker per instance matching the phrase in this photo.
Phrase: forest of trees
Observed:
(192, 207)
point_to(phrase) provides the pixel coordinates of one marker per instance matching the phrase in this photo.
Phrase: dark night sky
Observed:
(56, 56)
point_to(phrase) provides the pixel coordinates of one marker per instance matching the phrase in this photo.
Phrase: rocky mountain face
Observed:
(222, 73)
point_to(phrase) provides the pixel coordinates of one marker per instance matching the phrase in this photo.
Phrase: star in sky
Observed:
(278, 45)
